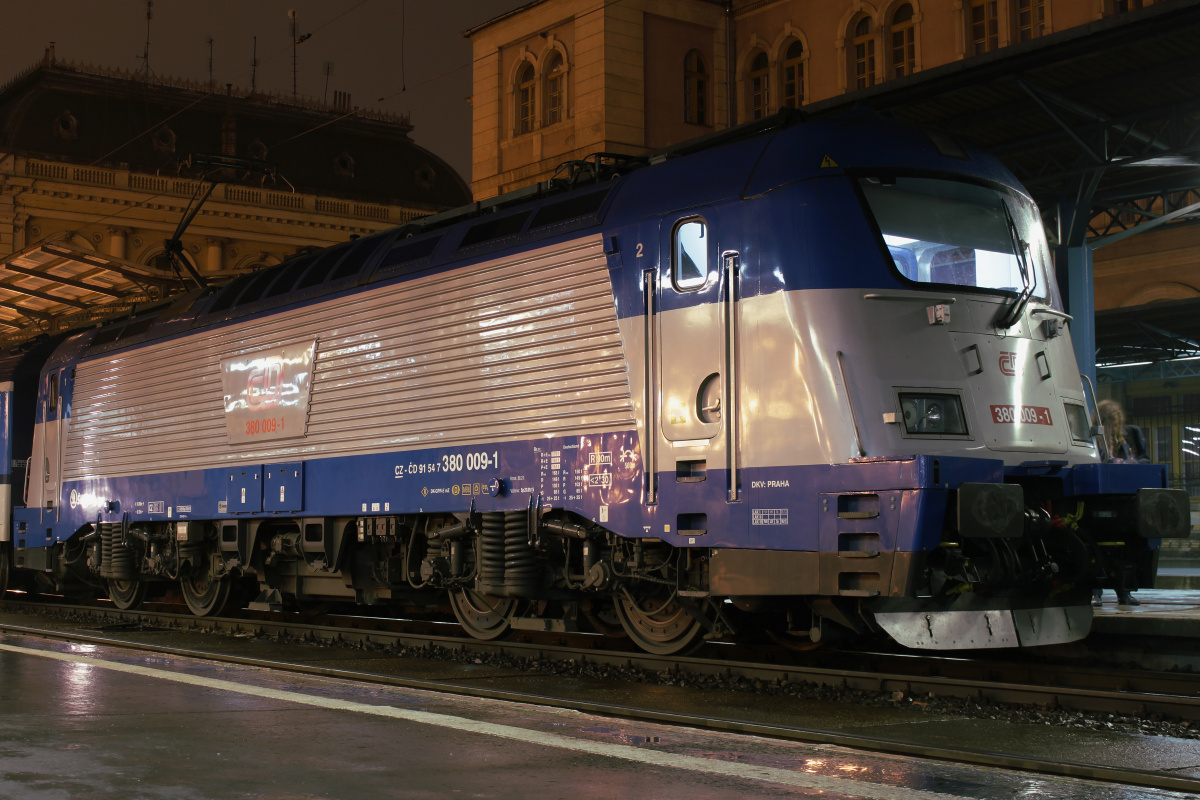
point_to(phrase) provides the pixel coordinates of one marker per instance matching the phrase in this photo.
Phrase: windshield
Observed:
(950, 232)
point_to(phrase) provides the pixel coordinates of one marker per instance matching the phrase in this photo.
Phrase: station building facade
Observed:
(559, 79)
(98, 168)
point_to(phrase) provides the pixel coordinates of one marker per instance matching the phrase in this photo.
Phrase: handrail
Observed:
(650, 404)
(1098, 426)
(841, 359)
(732, 429)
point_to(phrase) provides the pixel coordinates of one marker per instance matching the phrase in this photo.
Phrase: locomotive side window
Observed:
(1077, 420)
(961, 234)
(690, 255)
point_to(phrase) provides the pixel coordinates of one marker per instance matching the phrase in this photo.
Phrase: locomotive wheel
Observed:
(206, 595)
(310, 607)
(603, 618)
(127, 594)
(658, 623)
(483, 616)
(792, 640)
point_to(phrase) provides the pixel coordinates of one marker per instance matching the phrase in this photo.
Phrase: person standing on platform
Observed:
(1126, 445)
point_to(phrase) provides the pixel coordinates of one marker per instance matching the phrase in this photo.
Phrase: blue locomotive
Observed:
(808, 377)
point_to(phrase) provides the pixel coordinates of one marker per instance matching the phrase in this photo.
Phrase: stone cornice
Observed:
(171, 195)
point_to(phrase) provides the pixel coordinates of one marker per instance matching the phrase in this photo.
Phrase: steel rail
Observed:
(329, 634)
(1093, 689)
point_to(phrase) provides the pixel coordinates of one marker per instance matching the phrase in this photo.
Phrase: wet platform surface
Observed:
(72, 724)
(1164, 612)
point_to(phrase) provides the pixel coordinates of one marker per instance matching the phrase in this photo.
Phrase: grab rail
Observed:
(841, 359)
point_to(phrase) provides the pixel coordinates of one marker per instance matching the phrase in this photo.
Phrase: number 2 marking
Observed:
(639, 250)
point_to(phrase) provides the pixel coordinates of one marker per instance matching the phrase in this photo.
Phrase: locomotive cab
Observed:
(962, 364)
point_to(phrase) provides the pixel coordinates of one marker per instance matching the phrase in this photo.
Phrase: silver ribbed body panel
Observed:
(508, 349)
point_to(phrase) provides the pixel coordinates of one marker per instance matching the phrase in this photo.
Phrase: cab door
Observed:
(691, 346)
(46, 461)
(694, 327)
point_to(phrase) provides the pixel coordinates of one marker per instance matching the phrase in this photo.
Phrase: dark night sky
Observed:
(362, 38)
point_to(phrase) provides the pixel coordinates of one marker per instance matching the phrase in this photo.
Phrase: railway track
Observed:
(1065, 685)
(1086, 689)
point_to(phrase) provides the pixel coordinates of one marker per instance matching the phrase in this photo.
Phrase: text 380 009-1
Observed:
(255, 427)
(1031, 415)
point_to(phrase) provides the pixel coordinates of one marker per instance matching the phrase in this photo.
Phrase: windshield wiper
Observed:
(1009, 316)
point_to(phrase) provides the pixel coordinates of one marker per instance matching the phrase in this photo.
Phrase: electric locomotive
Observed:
(808, 377)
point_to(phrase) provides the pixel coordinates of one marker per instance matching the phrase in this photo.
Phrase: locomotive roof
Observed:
(744, 161)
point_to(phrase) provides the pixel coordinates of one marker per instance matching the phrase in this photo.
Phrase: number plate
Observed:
(1026, 415)
(267, 393)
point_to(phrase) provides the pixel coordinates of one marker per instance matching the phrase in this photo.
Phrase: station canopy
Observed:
(57, 284)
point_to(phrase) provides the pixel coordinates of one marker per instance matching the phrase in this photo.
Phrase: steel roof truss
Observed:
(1165, 339)
(1037, 97)
(29, 312)
(1186, 211)
(90, 287)
(49, 298)
(1109, 216)
(1114, 139)
(107, 264)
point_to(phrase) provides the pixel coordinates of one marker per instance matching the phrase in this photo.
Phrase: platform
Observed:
(1171, 613)
(1170, 609)
(1175, 577)
(89, 721)
(104, 724)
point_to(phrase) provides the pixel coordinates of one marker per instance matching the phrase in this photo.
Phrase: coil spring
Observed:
(520, 561)
(491, 553)
(116, 557)
(106, 542)
(122, 562)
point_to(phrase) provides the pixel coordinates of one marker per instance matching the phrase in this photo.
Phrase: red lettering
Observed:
(264, 385)
(1031, 415)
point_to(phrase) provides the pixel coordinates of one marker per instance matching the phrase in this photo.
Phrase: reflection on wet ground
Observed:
(70, 729)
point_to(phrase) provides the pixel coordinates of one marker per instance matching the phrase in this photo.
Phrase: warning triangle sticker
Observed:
(827, 161)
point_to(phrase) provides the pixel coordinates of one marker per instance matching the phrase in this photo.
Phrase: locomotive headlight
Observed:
(932, 414)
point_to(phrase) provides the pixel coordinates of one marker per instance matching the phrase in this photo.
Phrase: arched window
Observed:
(862, 54)
(760, 86)
(983, 26)
(793, 75)
(695, 89)
(555, 89)
(904, 47)
(1031, 19)
(526, 105)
